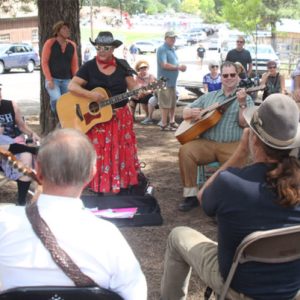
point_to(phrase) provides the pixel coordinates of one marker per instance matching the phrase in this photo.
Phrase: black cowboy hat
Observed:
(106, 38)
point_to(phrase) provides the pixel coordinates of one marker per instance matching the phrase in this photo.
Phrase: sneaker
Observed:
(147, 121)
(159, 124)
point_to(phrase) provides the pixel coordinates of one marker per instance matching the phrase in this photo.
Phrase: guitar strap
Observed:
(124, 64)
(61, 258)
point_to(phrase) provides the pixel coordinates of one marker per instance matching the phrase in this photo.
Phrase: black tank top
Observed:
(7, 118)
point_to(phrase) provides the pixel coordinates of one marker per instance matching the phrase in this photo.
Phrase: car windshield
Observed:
(3, 48)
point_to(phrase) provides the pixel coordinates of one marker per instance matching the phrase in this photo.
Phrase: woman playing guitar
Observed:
(114, 140)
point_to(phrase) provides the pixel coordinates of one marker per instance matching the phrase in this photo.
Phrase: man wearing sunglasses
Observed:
(241, 55)
(218, 142)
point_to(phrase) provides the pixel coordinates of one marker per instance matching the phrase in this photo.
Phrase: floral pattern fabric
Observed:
(115, 145)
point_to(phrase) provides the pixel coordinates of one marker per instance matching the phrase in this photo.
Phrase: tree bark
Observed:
(50, 12)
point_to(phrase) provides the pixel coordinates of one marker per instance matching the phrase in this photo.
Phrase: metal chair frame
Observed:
(269, 246)
(59, 293)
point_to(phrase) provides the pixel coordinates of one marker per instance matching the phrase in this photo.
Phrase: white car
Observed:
(146, 46)
(261, 56)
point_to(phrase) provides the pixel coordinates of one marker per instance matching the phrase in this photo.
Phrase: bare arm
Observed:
(250, 69)
(205, 87)
(297, 88)
(238, 159)
(23, 127)
(171, 67)
(191, 113)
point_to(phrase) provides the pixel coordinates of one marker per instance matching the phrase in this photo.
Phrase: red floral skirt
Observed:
(115, 145)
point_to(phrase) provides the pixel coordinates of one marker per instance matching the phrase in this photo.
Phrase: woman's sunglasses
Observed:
(142, 68)
(103, 48)
(232, 75)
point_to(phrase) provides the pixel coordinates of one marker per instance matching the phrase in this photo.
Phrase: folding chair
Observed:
(59, 293)
(270, 246)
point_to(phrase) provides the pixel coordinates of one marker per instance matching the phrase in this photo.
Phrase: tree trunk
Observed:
(50, 12)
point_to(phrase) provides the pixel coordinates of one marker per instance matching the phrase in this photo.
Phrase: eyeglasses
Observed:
(104, 48)
(142, 68)
(240, 42)
(232, 75)
(214, 66)
(272, 67)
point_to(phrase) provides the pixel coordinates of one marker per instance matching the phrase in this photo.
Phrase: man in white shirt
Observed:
(65, 164)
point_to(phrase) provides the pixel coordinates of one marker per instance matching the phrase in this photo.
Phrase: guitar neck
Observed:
(120, 97)
(228, 100)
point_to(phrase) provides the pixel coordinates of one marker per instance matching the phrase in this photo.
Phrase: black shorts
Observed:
(143, 100)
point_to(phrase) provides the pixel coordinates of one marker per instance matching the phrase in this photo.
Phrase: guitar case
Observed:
(140, 196)
(148, 213)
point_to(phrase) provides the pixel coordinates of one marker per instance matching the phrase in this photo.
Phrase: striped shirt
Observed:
(227, 130)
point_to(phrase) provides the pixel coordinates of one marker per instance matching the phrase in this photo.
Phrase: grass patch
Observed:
(124, 35)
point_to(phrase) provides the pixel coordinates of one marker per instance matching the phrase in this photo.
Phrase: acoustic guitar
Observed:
(83, 114)
(190, 129)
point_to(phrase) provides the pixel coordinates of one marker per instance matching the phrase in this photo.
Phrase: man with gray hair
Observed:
(65, 164)
(244, 199)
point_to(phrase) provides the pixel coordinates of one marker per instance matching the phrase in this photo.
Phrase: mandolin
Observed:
(83, 114)
(190, 129)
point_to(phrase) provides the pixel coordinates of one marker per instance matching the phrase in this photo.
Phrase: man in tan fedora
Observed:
(244, 199)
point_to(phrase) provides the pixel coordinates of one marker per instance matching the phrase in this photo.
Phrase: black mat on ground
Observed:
(148, 213)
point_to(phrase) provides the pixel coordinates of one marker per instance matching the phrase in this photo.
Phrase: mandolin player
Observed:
(218, 142)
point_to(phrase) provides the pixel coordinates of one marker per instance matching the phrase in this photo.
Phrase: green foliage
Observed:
(246, 14)
(208, 12)
(242, 14)
(190, 6)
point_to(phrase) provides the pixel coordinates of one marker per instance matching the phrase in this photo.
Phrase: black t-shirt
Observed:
(201, 51)
(243, 56)
(7, 118)
(114, 84)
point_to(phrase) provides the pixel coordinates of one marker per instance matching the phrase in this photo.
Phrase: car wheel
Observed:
(30, 67)
(2, 68)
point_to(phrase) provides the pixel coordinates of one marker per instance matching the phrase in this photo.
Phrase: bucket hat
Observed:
(106, 38)
(141, 64)
(276, 122)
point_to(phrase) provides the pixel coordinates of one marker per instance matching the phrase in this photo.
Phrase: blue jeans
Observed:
(60, 87)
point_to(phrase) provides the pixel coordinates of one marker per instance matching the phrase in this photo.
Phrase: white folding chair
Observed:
(270, 246)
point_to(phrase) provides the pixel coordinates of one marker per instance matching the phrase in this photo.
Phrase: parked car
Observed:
(214, 45)
(146, 46)
(225, 47)
(19, 55)
(194, 37)
(261, 57)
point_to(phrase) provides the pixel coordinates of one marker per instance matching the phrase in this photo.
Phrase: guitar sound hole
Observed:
(93, 107)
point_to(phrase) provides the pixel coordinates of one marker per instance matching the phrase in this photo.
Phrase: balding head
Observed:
(66, 157)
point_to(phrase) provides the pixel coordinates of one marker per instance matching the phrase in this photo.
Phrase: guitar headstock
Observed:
(158, 84)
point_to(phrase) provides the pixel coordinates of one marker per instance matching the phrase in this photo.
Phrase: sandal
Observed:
(174, 125)
(166, 128)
